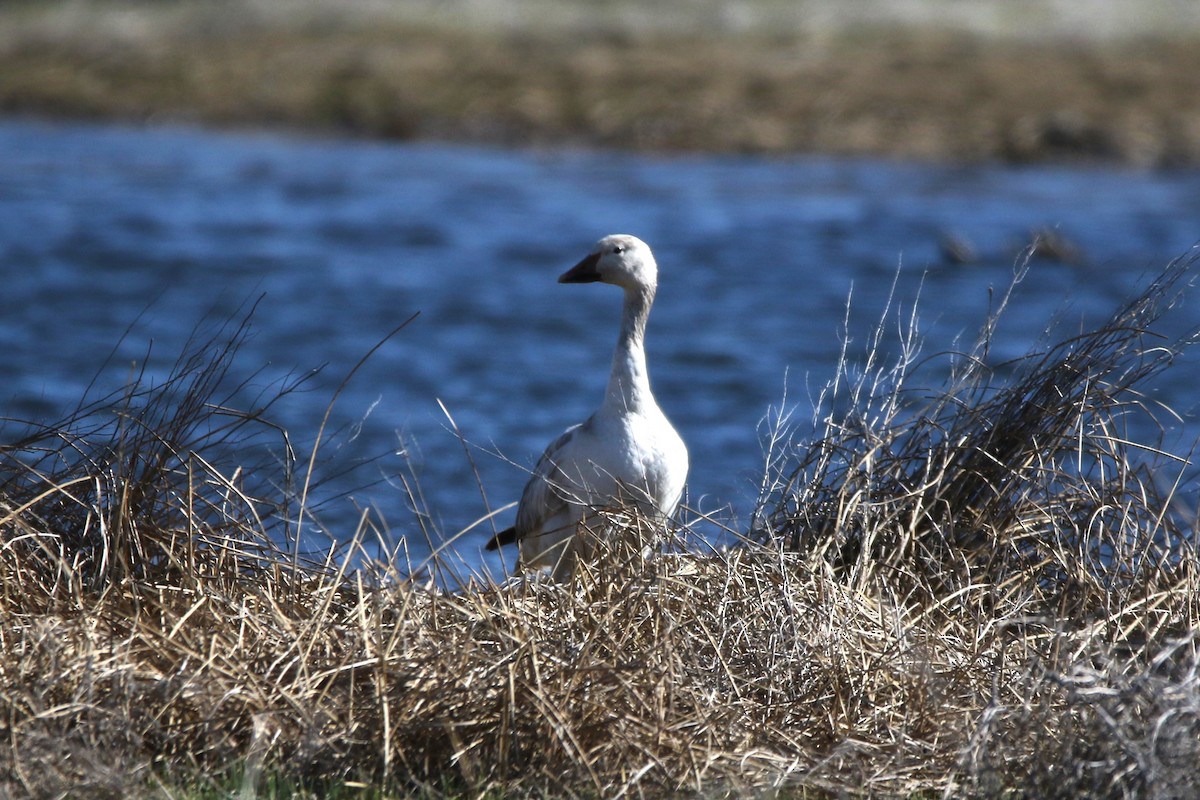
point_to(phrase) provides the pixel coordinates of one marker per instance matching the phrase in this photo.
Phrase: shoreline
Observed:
(989, 638)
(931, 97)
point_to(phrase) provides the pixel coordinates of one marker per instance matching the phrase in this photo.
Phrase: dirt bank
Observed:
(943, 97)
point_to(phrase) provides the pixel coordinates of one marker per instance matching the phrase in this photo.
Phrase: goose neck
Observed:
(629, 383)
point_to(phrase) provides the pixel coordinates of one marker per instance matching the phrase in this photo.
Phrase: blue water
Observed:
(101, 224)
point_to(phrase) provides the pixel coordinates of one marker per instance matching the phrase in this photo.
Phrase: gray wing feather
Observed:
(544, 493)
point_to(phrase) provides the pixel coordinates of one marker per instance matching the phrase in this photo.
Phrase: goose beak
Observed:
(583, 272)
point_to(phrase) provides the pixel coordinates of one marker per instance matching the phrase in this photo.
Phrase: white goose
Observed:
(625, 453)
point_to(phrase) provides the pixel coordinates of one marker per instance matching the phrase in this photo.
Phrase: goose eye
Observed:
(620, 248)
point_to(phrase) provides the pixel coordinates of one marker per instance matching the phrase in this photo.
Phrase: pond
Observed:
(126, 238)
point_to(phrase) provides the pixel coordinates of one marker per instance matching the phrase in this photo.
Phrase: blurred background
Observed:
(798, 167)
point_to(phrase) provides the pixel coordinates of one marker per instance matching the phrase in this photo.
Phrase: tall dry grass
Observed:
(984, 590)
(926, 79)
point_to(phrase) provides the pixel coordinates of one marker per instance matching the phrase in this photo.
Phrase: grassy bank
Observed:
(985, 589)
(767, 82)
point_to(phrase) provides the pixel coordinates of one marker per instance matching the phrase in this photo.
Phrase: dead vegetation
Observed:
(915, 94)
(987, 590)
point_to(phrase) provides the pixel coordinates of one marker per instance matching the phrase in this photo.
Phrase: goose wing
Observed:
(543, 496)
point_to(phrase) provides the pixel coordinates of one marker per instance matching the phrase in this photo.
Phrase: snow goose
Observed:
(625, 454)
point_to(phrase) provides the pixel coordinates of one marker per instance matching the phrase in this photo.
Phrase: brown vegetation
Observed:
(990, 593)
(926, 96)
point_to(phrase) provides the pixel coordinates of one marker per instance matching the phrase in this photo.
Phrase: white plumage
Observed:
(627, 453)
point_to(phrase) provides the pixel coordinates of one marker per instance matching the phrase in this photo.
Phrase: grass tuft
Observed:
(984, 590)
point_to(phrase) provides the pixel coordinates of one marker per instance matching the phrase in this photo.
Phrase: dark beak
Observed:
(583, 272)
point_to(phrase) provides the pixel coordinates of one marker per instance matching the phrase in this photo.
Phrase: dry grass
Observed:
(635, 83)
(987, 591)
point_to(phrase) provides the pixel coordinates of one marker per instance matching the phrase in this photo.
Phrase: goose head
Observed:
(621, 260)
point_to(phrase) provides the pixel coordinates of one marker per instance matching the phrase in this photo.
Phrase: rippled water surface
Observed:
(104, 229)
